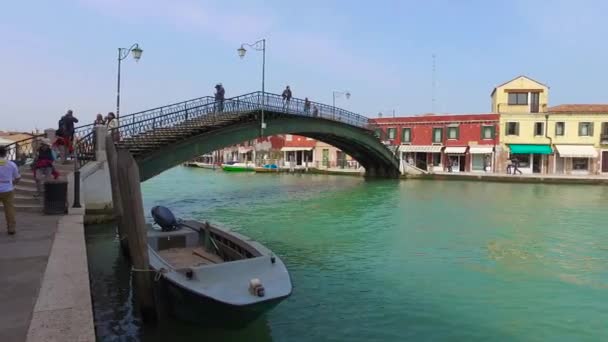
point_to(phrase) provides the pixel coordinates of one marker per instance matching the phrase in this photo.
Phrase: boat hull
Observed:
(195, 308)
(236, 168)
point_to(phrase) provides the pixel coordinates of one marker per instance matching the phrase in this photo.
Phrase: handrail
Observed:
(176, 115)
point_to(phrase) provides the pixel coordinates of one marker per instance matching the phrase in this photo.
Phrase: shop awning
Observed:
(481, 149)
(455, 150)
(528, 148)
(245, 149)
(290, 149)
(576, 151)
(421, 148)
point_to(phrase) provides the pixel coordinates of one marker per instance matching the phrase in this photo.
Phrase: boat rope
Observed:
(158, 274)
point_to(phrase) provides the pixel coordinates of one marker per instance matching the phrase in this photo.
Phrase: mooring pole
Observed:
(135, 226)
(112, 159)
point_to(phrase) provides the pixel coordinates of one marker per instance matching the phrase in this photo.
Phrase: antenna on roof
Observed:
(433, 87)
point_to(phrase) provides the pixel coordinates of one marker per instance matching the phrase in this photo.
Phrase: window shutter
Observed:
(580, 129)
(483, 128)
(492, 131)
(517, 128)
(591, 129)
(457, 132)
(507, 129)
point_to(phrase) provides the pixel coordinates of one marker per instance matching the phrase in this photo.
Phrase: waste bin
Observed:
(55, 197)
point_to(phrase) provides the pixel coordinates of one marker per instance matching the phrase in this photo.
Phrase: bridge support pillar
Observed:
(135, 226)
(112, 159)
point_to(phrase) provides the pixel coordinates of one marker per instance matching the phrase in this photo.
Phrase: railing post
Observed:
(76, 203)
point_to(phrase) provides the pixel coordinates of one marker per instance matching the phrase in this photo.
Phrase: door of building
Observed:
(605, 161)
(536, 163)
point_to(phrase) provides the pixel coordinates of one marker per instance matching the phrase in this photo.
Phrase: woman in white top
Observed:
(113, 126)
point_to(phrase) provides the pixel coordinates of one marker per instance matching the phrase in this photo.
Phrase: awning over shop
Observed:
(576, 151)
(421, 148)
(245, 149)
(526, 148)
(455, 150)
(290, 149)
(481, 149)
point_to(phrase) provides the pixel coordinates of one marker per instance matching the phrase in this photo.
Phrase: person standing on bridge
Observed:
(219, 97)
(113, 126)
(9, 177)
(286, 97)
(306, 106)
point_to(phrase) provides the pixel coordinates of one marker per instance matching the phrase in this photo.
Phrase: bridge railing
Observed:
(152, 122)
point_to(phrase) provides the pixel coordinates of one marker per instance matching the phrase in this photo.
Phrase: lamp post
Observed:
(123, 53)
(260, 45)
(335, 94)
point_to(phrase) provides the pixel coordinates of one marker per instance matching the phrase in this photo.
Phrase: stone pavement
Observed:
(23, 260)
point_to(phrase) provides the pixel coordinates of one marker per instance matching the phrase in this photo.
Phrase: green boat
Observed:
(238, 167)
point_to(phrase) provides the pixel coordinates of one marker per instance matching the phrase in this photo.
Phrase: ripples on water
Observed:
(389, 260)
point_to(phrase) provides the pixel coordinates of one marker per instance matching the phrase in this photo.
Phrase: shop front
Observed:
(425, 157)
(575, 159)
(455, 156)
(531, 158)
(297, 156)
(482, 158)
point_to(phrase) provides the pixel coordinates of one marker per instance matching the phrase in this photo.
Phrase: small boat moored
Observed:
(214, 275)
(238, 167)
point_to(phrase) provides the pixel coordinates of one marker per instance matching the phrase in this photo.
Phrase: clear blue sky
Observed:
(57, 55)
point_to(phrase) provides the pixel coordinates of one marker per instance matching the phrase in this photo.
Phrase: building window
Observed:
(560, 128)
(487, 132)
(512, 128)
(453, 132)
(518, 98)
(437, 135)
(289, 137)
(585, 129)
(392, 133)
(580, 164)
(406, 135)
(539, 128)
(378, 133)
(523, 159)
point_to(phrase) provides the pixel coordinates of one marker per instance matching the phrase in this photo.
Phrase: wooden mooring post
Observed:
(135, 229)
(112, 159)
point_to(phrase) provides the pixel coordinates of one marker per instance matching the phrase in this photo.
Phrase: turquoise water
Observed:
(391, 260)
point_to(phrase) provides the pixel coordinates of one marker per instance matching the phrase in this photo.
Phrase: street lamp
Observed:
(336, 93)
(260, 45)
(123, 53)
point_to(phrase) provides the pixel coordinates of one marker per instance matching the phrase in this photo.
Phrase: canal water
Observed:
(389, 260)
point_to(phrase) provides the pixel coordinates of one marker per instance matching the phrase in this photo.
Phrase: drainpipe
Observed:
(548, 137)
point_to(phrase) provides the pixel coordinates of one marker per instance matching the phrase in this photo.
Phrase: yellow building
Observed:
(565, 139)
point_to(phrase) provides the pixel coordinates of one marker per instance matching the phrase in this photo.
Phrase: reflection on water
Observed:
(388, 260)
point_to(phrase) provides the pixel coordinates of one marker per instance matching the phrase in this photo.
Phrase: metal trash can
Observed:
(55, 197)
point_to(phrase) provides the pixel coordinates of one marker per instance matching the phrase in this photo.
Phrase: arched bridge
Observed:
(162, 138)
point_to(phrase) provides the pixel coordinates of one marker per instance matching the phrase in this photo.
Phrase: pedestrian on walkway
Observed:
(43, 166)
(66, 124)
(286, 98)
(112, 123)
(515, 166)
(306, 106)
(220, 94)
(99, 121)
(9, 177)
(315, 111)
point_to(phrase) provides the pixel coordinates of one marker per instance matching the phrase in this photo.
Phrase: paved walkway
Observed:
(525, 178)
(23, 260)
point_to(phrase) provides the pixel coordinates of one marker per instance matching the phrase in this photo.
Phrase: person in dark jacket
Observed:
(220, 93)
(67, 127)
(286, 97)
(515, 166)
(43, 165)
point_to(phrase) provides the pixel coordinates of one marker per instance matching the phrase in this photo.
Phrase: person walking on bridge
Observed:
(9, 177)
(112, 123)
(286, 98)
(219, 97)
(66, 124)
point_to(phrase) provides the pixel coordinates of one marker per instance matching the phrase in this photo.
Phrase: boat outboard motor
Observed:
(164, 218)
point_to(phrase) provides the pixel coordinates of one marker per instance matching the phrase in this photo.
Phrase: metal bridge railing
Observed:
(179, 116)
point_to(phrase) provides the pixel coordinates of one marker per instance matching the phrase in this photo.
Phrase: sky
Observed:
(59, 55)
